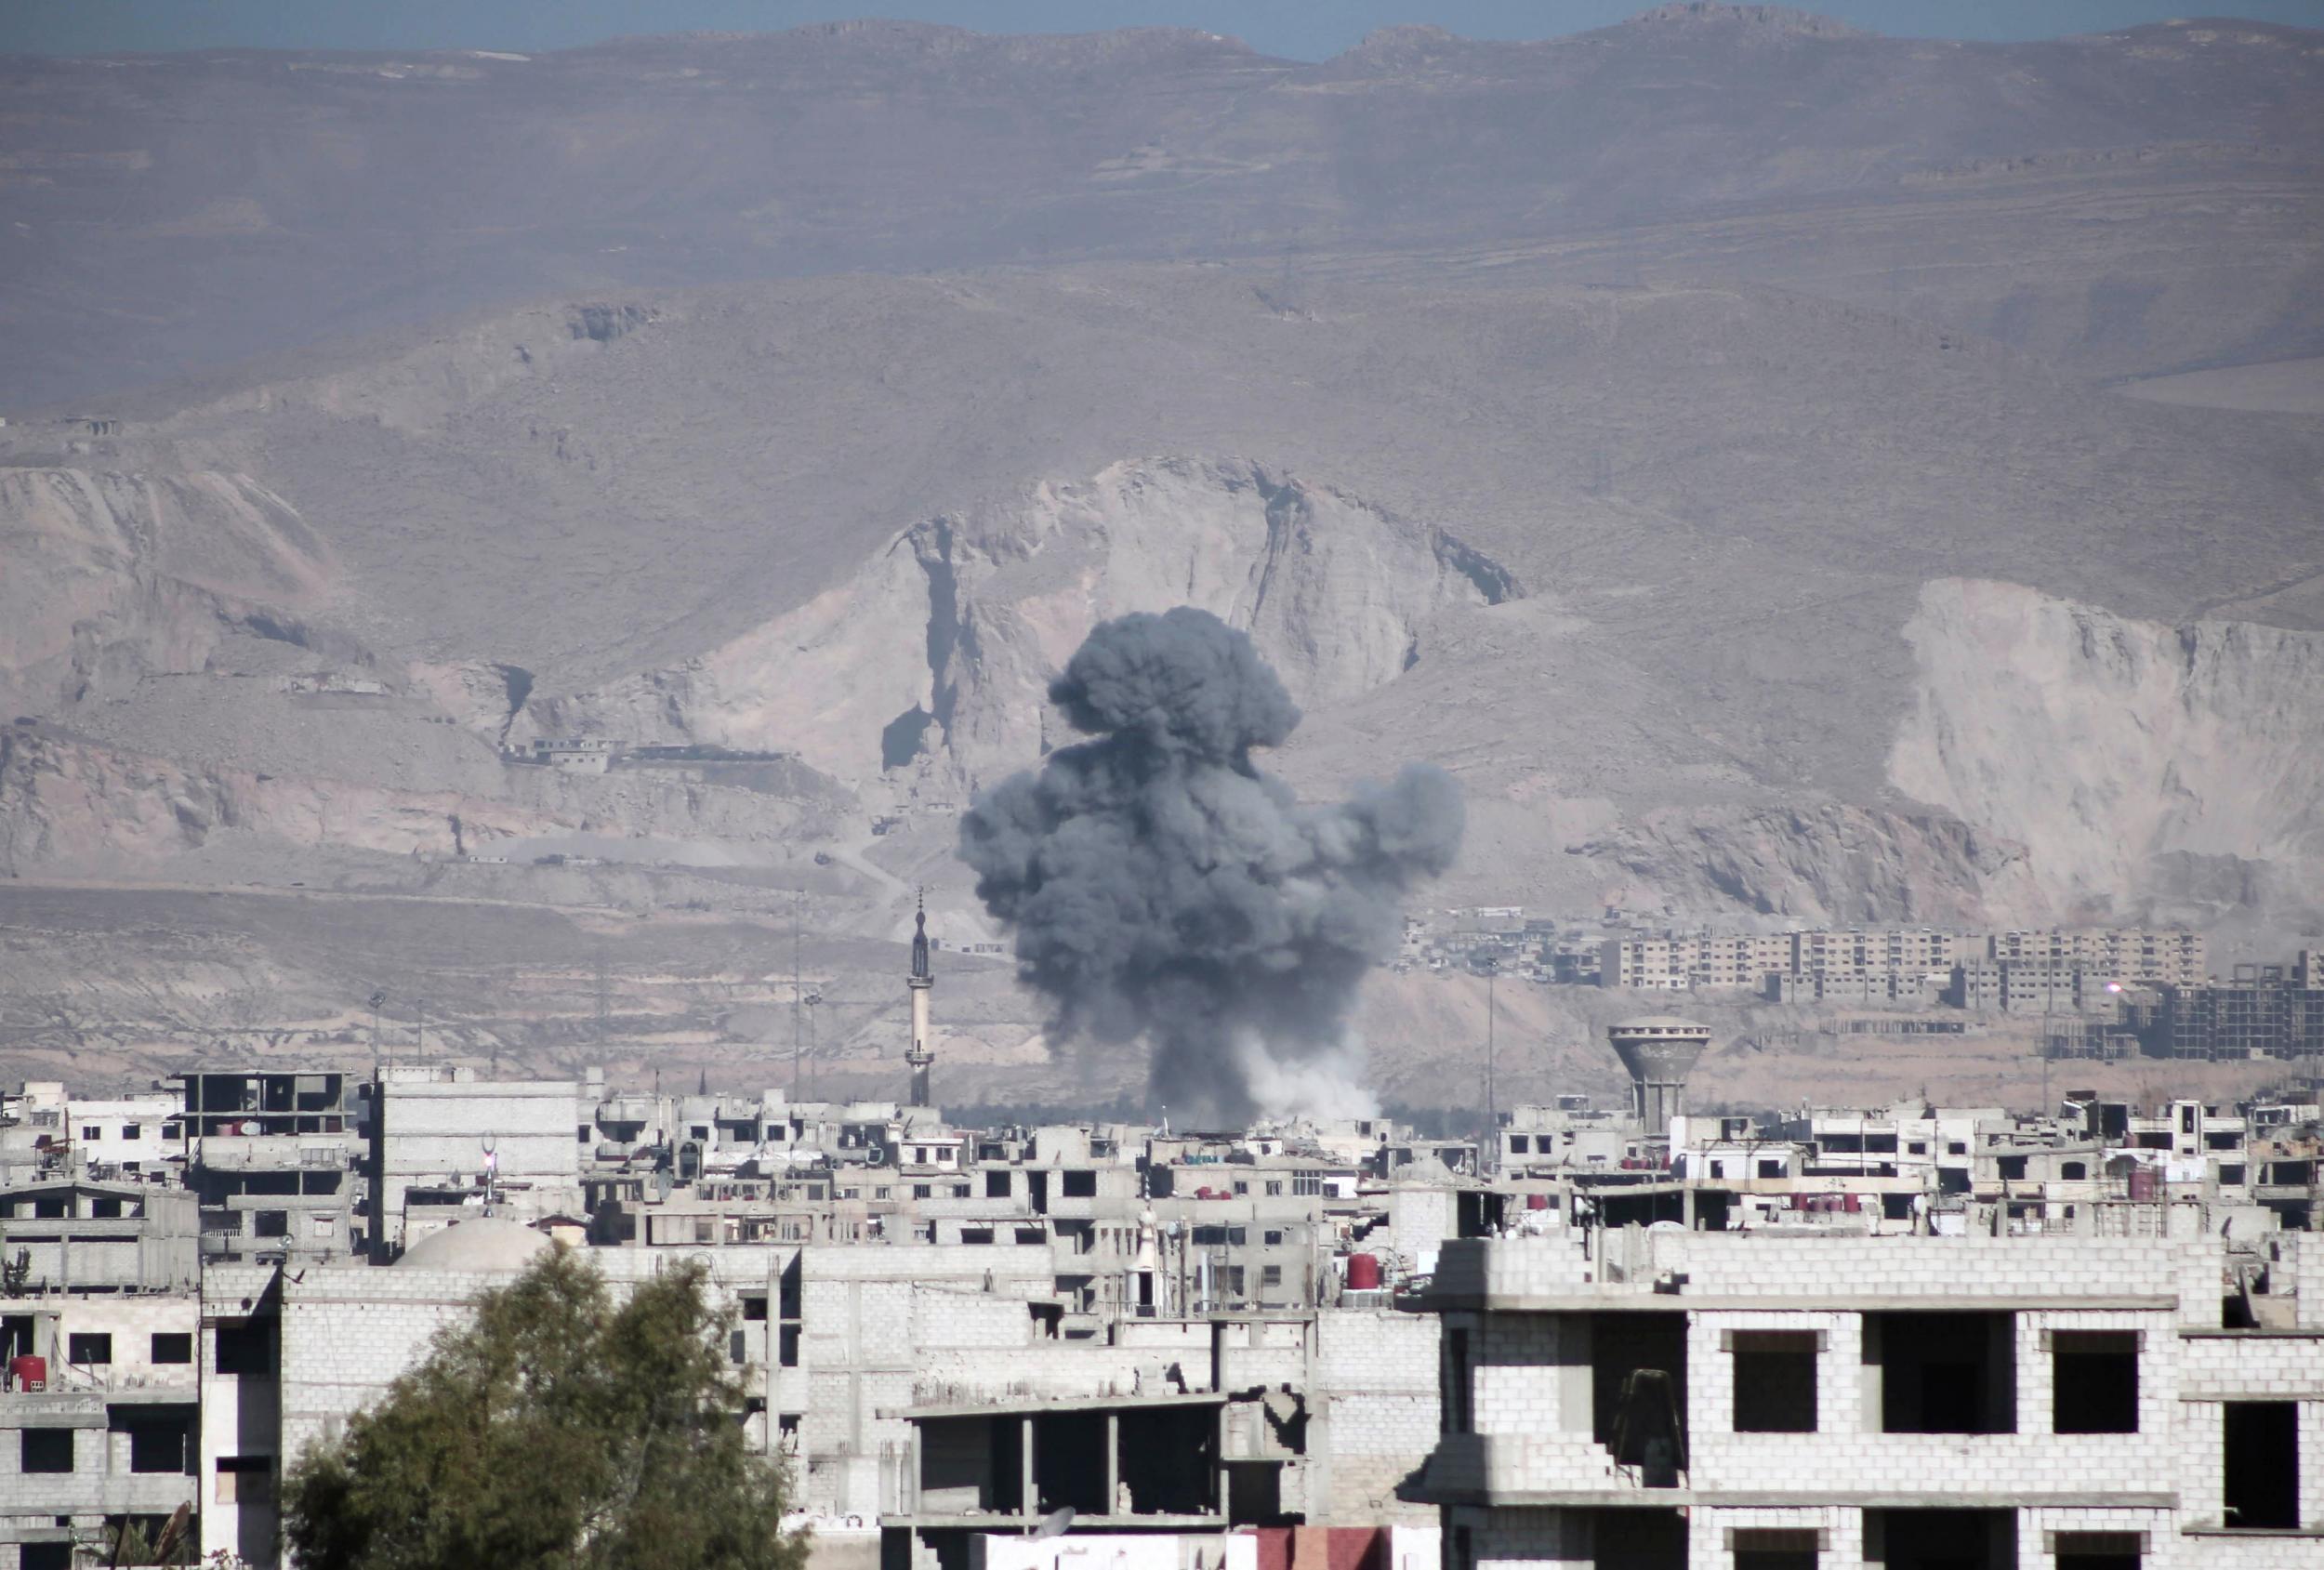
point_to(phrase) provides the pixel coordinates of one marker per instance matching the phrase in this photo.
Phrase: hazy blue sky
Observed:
(1306, 29)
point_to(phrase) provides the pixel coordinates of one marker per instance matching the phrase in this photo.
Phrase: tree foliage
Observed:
(558, 1428)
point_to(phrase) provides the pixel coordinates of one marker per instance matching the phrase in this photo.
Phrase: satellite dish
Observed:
(1054, 1524)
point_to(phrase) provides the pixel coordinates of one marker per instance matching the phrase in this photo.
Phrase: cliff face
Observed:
(941, 649)
(1827, 863)
(2152, 767)
(111, 576)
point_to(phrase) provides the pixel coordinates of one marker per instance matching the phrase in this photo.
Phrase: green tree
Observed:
(557, 1428)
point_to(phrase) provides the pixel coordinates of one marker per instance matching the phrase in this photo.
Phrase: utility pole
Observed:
(1489, 1158)
(799, 1001)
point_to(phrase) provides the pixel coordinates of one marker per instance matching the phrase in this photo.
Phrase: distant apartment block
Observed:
(2009, 969)
(2260, 1011)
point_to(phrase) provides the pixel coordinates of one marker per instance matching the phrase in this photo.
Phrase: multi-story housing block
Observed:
(1665, 1399)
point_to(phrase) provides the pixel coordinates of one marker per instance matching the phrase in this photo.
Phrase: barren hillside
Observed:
(1702, 437)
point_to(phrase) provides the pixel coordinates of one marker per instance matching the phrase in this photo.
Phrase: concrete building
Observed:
(442, 1140)
(1668, 1399)
(2261, 1011)
(106, 1431)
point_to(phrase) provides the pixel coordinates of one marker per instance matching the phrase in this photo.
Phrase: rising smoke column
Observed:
(1161, 887)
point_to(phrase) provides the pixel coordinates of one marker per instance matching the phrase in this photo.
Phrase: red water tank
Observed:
(28, 1372)
(2145, 1183)
(1537, 1202)
(1362, 1272)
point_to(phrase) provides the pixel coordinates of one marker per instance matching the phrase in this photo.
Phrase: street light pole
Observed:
(1492, 1156)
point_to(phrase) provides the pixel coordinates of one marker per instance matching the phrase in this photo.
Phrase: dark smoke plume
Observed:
(1161, 887)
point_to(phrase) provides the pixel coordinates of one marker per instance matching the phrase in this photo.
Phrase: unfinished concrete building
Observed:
(1654, 1400)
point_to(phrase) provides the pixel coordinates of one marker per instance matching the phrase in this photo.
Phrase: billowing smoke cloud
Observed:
(1162, 888)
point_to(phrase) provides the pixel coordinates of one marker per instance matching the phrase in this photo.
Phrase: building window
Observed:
(1271, 1275)
(245, 1347)
(2094, 1381)
(788, 1346)
(755, 1308)
(169, 1130)
(133, 1130)
(158, 1448)
(2261, 1464)
(1775, 1548)
(1518, 1143)
(2098, 1550)
(85, 1348)
(1457, 1381)
(246, 1480)
(1079, 1185)
(45, 1450)
(91, 1133)
(1274, 1239)
(1774, 1381)
(581, 1134)
(997, 1185)
(173, 1346)
(1944, 1373)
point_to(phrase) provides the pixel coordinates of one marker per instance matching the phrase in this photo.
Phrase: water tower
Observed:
(1659, 1051)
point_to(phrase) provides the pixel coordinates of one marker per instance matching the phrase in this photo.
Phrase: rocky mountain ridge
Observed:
(457, 180)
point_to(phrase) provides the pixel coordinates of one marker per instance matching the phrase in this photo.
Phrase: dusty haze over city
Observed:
(1786, 474)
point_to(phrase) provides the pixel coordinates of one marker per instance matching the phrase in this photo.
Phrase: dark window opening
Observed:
(1077, 1185)
(1777, 1547)
(1168, 1458)
(1069, 1463)
(997, 1185)
(1944, 1373)
(173, 1346)
(1457, 1381)
(755, 1306)
(788, 1341)
(1638, 1392)
(45, 1450)
(161, 1446)
(1638, 1539)
(1941, 1539)
(2012, 1168)
(245, 1347)
(1774, 1382)
(86, 1348)
(2098, 1550)
(2073, 1170)
(2094, 1381)
(2262, 1464)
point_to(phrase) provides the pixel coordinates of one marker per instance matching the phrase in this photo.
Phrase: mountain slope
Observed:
(167, 214)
